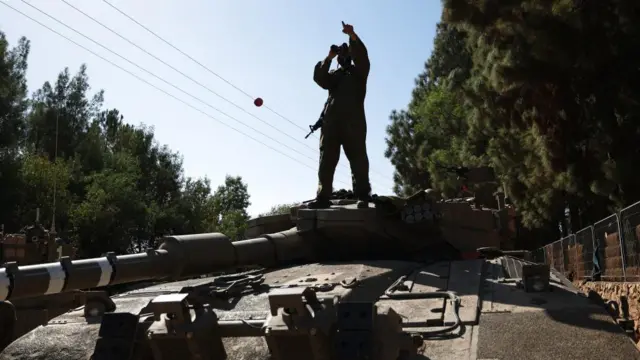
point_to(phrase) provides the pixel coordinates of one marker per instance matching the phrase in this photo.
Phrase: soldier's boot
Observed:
(363, 203)
(319, 203)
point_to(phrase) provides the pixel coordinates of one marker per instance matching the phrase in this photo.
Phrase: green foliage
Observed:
(41, 179)
(115, 188)
(280, 209)
(229, 203)
(13, 104)
(112, 206)
(544, 92)
(410, 135)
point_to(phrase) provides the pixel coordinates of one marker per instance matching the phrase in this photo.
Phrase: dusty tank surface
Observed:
(395, 281)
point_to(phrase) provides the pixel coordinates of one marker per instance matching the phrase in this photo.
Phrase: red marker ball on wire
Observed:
(258, 102)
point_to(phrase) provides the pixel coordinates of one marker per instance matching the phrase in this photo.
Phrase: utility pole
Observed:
(55, 177)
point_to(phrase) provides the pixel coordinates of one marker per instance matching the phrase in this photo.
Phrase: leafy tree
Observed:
(196, 208)
(111, 185)
(554, 79)
(67, 107)
(230, 203)
(112, 209)
(41, 181)
(280, 209)
(409, 139)
(443, 131)
(542, 92)
(403, 145)
(233, 224)
(13, 104)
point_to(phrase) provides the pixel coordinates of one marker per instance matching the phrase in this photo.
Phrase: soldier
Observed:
(344, 121)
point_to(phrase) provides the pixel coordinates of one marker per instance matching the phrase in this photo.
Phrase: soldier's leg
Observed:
(329, 157)
(354, 184)
(355, 147)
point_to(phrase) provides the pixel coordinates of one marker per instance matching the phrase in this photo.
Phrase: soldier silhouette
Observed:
(344, 121)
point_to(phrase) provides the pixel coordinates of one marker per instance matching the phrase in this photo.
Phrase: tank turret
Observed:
(177, 257)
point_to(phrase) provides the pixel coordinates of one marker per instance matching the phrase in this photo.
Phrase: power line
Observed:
(185, 75)
(158, 88)
(168, 83)
(386, 178)
(197, 62)
(160, 78)
(193, 80)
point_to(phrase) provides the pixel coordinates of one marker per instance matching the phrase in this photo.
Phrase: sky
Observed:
(265, 48)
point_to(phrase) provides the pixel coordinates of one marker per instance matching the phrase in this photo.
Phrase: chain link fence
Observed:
(570, 255)
(584, 248)
(608, 249)
(630, 224)
(554, 255)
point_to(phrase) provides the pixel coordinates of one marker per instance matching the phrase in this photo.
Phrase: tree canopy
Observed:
(543, 92)
(104, 183)
(280, 209)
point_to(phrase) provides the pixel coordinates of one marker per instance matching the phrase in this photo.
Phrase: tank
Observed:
(34, 245)
(406, 278)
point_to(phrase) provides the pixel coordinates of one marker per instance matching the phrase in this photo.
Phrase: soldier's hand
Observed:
(347, 29)
(332, 53)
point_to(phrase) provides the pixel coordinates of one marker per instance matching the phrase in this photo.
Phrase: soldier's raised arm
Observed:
(358, 50)
(321, 74)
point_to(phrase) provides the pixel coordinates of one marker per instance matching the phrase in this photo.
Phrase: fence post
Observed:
(594, 253)
(547, 259)
(593, 241)
(623, 250)
(562, 255)
(576, 260)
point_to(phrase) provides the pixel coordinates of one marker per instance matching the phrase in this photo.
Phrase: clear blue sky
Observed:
(266, 48)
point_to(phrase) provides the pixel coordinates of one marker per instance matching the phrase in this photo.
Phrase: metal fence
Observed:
(611, 245)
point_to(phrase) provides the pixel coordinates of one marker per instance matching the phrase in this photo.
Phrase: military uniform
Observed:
(344, 122)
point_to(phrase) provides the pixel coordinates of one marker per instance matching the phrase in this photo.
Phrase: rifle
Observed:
(320, 121)
(316, 126)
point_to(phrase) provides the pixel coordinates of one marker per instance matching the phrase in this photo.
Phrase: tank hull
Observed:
(498, 319)
(402, 279)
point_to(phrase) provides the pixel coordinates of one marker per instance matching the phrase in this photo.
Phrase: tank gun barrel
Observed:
(177, 257)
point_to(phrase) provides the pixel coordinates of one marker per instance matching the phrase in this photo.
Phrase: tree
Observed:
(542, 92)
(443, 131)
(114, 187)
(41, 180)
(196, 209)
(403, 145)
(230, 203)
(452, 122)
(409, 139)
(113, 209)
(556, 78)
(280, 209)
(13, 104)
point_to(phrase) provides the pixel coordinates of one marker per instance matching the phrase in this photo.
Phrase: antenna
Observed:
(55, 178)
